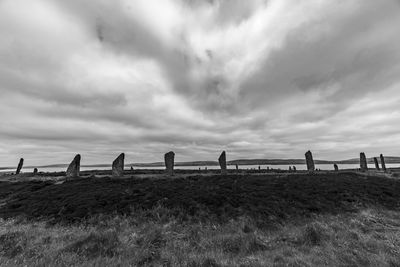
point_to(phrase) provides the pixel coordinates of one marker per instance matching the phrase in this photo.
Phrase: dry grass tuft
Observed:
(314, 234)
(96, 245)
(243, 244)
(12, 244)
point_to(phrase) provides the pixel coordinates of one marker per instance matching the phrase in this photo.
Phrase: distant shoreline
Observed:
(389, 160)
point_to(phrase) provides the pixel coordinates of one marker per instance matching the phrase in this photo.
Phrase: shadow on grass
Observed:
(220, 198)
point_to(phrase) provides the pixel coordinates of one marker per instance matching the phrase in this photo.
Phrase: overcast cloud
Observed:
(260, 79)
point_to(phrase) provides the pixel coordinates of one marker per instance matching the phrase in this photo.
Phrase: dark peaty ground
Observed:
(216, 197)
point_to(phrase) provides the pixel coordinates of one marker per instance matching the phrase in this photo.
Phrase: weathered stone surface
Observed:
(237, 167)
(310, 161)
(118, 166)
(363, 162)
(222, 162)
(294, 168)
(169, 162)
(20, 164)
(336, 167)
(74, 167)
(290, 168)
(376, 164)
(383, 163)
(35, 171)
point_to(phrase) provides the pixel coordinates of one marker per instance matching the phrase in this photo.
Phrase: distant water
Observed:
(242, 167)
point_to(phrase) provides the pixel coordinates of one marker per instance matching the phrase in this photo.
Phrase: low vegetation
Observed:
(297, 220)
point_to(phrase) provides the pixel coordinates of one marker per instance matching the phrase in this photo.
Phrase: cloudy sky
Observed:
(257, 78)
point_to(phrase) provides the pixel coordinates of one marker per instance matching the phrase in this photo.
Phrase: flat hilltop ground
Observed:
(281, 219)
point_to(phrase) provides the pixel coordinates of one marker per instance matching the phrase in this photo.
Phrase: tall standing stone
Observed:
(35, 171)
(310, 161)
(336, 167)
(169, 162)
(376, 164)
(363, 162)
(118, 166)
(74, 167)
(383, 163)
(20, 164)
(222, 162)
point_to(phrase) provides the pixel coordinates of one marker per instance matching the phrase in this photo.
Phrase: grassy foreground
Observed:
(304, 220)
(156, 238)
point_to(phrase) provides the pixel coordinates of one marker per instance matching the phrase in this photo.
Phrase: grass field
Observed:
(251, 220)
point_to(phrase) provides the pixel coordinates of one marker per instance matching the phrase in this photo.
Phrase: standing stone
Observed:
(383, 163)
(294, 168)
(74, 167)
(35, 171)
(237, 167)
(290, 168)
(376, 164)
(259, 168)
(336, 167)
(222, 162)
(363, 162)
(310, 162)
(169, 162)
(118, 166)
(131, 168)
(20, 164)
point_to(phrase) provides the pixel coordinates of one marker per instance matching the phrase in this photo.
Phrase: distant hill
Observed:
(264, 162)
(187, 163)
(303, 161)
(369, 160)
